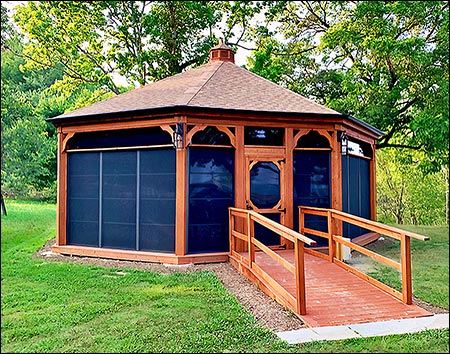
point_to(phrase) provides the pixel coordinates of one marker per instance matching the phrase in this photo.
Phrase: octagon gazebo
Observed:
(150, 174)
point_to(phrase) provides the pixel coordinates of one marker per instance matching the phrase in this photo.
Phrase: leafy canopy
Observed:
(385, 62)
(142, 40)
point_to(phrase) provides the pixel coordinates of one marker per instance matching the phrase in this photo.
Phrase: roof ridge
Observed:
(203, 85)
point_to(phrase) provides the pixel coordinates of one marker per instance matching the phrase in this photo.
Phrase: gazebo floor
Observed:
(335, 296)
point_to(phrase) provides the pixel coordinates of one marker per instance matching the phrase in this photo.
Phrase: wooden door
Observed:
(265, 193)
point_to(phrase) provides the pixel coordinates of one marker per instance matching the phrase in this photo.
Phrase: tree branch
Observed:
(403, 146)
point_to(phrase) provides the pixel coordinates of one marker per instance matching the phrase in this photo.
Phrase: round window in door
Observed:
(264, 185)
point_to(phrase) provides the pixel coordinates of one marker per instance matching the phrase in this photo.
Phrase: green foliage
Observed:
(51, 306)
(430, 267)
(405, 193)
(143, 41)
(383, 62)
(29, 143)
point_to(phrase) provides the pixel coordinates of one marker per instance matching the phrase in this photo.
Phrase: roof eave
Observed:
(374, 130)
(185, 109)
(181, 109)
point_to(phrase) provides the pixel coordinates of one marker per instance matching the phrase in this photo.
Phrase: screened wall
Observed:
(355, 191)
(210, 192)
(122, 199)
(312, 180)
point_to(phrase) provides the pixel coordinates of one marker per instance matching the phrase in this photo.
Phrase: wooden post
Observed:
(336, 180)
(289, 184)
(239, 183)
(231, 229)
(373, 185)
(301, 221)
(251, 246)
(61, 221)
(405, 252)
(181, 202)
(300, 277)
(333, 247)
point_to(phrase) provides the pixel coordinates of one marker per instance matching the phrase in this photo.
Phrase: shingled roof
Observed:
(218, 84)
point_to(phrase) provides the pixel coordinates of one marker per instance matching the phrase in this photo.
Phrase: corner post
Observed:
(61, 208)
(405, 251)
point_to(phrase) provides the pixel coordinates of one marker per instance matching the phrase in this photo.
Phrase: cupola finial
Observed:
(221, 52)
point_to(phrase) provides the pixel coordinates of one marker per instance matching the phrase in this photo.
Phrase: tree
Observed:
(404, 194)
(29, 144)
(142, 40)
(384, 62)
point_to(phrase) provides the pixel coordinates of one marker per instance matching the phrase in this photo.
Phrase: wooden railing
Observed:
(335, 243)
(245, 231)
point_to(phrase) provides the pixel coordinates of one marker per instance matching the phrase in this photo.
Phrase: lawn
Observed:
(65, 307)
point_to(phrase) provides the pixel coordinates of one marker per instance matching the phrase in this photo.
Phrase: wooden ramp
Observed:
(334, 296)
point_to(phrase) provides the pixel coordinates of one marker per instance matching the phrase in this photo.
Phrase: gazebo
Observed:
(150, 174)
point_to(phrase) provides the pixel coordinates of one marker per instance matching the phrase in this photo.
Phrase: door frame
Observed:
(276, 155)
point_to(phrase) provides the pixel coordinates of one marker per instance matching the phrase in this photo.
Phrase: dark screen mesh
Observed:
(82, 199)
(266, 236)
(265, 185)
(120, 138)
(313, 140)
(355, 192)
(210, 194)
(263, 136)
(118, 174)
(211, 136)
(312, 188)
(119, 199)
(157, 200)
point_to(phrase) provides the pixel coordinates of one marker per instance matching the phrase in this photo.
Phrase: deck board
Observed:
(335, 296)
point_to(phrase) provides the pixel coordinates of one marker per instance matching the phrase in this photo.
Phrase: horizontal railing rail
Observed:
(245, 231)
(335, 218)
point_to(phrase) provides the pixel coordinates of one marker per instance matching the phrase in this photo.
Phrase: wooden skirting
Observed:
(141, 256)
(261, 284)
(366, 238)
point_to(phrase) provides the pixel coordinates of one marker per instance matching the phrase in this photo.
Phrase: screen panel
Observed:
(263, 234)
(157, 194)
(82, 199)
(265, 185)
(120, 138)
(211, 192)
(355, 192)
(264, 136)
(118, 194)
(312, 188)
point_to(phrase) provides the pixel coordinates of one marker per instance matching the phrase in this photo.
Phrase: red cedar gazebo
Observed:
(150, 174)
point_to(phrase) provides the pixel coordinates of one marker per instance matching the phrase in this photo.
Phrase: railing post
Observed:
(405, 252)
(300, 277)
(231, 229)
(301, 220)
(251, 246)
(332, 245)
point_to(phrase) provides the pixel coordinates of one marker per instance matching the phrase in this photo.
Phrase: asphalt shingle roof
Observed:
(217, 84)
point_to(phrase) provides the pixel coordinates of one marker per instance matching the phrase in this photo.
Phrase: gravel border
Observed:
(266, 311)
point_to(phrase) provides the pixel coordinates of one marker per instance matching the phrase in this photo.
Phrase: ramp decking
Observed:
(334, 296)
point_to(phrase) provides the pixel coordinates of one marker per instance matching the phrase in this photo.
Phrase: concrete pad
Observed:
(372, 329)
(335, 332)
(318, 334)
(409, 325)
(298, 336)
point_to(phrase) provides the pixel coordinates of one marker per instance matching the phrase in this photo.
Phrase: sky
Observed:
(240, 56)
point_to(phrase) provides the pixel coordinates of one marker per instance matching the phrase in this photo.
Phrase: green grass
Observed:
(65, 307)
(430, 269)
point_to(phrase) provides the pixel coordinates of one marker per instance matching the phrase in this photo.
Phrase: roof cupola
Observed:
(221, 52)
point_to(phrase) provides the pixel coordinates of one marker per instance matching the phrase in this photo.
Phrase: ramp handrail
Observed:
(246, 233)
(336, 241)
